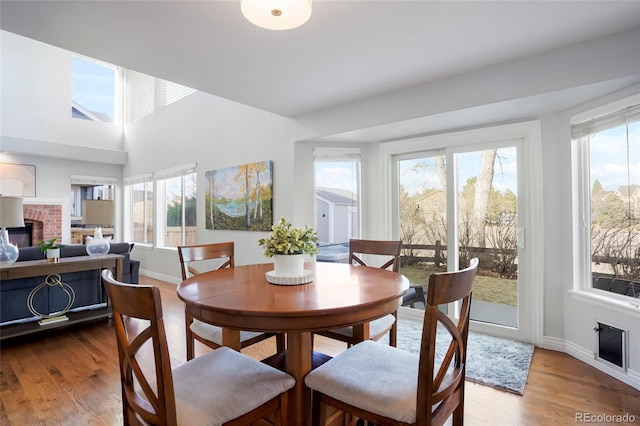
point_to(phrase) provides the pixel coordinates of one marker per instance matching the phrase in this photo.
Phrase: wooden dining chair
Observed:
(220, 387)
(389, 251)
(385, 385)
(208, 334)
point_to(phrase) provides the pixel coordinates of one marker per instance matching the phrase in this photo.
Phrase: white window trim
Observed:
(176, 171)
(337, 154)
(582, 281)
(92, 180)
(131, 180)
(118, 88)
(128, 214)
(160, 194)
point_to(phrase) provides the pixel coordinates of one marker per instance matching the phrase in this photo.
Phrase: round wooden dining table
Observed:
(340, 295)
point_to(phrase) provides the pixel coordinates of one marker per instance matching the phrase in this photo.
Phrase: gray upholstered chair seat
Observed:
(222, 385)
(213, 333)
(372, 376)
(381, 384)
(376, 327)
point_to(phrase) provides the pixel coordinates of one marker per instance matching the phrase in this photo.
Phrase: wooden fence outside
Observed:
(436, 254)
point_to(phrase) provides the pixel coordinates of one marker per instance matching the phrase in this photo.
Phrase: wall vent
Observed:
(611, 345)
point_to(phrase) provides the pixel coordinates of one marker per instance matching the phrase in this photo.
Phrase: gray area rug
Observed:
(493, 361)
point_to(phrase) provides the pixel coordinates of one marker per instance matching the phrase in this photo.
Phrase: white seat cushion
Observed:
(372, 376)
(376, 327)
(222, 385)
(213, 333)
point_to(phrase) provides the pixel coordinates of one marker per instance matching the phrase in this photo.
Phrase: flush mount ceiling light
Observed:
(276, 14)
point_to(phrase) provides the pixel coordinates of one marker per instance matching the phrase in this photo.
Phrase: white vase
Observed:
(97, 245)
(288, 265)
(8, 252)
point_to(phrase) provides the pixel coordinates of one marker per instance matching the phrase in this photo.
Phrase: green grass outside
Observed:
(485, 287)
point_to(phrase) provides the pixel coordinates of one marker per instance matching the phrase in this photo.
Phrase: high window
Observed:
(93, 90)
(146, 94)
(606, 146)
(176, 197)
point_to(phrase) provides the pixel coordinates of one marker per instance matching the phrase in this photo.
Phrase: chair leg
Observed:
(280, 342)
(393, 333)
(318, 412)
(458, 416)
(458, 413)
(188, 319)
(281, 415)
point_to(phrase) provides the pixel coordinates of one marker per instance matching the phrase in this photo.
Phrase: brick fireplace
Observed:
(46, 220)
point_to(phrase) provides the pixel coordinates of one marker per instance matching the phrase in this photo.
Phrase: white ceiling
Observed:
(348, 50)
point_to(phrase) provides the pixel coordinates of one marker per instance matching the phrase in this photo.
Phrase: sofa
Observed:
(86, 285)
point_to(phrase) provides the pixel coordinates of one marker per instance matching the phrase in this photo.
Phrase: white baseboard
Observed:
(553, 344)
(161, 277)
(629, 377)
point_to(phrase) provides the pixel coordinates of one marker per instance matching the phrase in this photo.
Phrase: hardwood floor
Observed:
(70, 376)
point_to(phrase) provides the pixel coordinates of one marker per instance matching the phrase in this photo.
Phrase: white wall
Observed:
(215, 133)
(36, 101)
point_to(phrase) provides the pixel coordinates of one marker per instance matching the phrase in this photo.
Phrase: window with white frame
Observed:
(606, 148)
(93, 90)
(337, 188)
(176, 206)
(146, 94)
(139, 196)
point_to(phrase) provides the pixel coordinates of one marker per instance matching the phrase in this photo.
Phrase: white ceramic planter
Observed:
(291, 265)
(53, 255)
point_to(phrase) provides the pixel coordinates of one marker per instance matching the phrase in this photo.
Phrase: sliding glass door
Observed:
(487, 204)
(460, 202)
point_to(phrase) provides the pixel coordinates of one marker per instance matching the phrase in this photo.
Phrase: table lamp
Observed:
(98, 213)
(10, 217)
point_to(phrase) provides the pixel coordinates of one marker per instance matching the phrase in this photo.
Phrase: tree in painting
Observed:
(240, 197)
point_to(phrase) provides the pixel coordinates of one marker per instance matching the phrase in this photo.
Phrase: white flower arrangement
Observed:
(287, 240)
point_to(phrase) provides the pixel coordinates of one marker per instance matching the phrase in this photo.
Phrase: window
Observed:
(139, 195)
(146, 94)
(607, 151)
(93, 90)
(176, 196)
(337, 183)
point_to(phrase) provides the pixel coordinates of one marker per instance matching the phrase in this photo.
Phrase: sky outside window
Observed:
(92, 90)
(614, 162)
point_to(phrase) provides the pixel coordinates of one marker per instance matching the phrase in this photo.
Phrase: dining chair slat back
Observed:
(209, 334)
(155, 394)
(357, 380)
(378, 248)
(202, 252)
(387, 254)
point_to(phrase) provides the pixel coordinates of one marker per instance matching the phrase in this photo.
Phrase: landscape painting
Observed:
(240, 197)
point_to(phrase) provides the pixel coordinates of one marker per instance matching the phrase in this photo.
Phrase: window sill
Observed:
(146, 246)
(631, 306)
